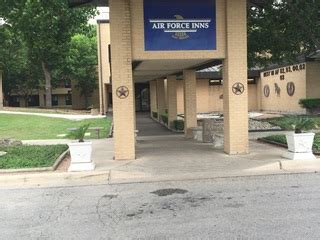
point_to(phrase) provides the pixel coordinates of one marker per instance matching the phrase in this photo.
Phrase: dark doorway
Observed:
(142, 97)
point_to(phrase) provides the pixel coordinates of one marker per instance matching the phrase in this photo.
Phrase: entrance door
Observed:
(142, 97)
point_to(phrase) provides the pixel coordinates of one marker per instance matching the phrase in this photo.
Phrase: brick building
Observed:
(154, 40)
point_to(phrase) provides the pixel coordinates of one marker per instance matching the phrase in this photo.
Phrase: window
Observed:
(215, 82)
(68, 99)
(55, 101)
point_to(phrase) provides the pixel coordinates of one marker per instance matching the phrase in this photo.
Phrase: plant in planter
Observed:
(299, 142)
(80, 151)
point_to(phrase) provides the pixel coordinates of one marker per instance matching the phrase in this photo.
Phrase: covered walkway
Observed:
(149, 127)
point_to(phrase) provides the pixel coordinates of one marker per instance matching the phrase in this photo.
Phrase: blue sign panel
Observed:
(172, 25)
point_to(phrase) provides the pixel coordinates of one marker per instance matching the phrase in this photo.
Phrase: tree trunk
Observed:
(86, 101)
(47, 77)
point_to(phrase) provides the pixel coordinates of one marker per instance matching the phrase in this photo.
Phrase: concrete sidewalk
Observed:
(167, 158)
(75, 117)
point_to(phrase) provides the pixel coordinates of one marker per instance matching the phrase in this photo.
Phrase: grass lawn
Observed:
(30, 156)
(284, 122)
(24, 127)
(282, 139)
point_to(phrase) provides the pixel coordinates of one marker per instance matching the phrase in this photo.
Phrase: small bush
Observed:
(312, 105)
(178, 125)
(164, 118)
(299, 124)
(155, 115)
(282, 139)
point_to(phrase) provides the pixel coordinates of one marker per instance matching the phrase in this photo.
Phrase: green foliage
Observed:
(277, 138)
(283, 140)
(303, 124)
(164, 118)
(155, 115)
(44, 29)
(24, 127)
(30, 156)
(281, 30)
(178, 125)
(298, 124)
(79, 133)
(312, 105)
(81, 62)
(20, 75)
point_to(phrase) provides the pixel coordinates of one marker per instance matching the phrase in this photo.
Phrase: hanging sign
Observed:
(173, 25)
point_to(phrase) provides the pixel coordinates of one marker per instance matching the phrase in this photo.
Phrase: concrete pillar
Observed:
(190, 102)
(153, 97)
(235, 76)
(122, 80)
(161, 100)
(172, 99)
(1, 90)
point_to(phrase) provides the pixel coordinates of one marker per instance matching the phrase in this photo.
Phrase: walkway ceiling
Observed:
(152, 69)
(105, 3)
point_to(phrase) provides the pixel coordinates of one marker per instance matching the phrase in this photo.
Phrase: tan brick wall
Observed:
(283, 102)
(1, 90)
(235, 70)
(153, 96)
(172, 99)
(121, 54)
(190, 102)
(161, 97)
(138, 37)
(103, 32)
(208, 97)
(313, 80)
(103, 41)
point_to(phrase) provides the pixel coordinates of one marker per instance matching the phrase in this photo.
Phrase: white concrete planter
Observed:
(81, 157)
(300, 146)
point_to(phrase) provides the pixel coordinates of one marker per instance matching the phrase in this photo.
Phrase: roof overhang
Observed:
(98, 3)
(105, 3)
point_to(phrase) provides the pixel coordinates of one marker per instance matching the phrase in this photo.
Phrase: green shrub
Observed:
(299, 124)
(312, 105)
(79, 133)
(164, 118)
(178, 125)
(282, 139)
(277, 138)
(155, 115)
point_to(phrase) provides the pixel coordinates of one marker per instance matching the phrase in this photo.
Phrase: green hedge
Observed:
(312, 104)
(155, 115)
(178, 125)
(164, 118)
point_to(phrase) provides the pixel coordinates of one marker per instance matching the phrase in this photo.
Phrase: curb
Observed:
(44, 169)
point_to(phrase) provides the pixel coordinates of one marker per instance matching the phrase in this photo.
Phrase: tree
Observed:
(81, 64)
(46, 28)
(282, 30)
(20, 75)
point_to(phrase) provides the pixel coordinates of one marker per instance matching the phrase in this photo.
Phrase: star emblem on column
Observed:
(238, 88)
(122, 92)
